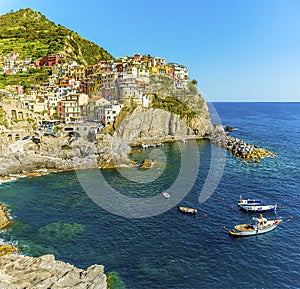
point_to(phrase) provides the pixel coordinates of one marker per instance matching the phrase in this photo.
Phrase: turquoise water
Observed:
(54, 214)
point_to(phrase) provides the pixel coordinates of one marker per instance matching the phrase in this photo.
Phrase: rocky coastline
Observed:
(26, 158)
(243, 150)
(17, 271)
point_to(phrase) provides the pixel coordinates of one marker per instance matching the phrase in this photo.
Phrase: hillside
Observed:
(32, 35)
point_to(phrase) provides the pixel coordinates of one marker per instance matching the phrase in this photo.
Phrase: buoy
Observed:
(282, 207)
(223, 227)
(205, 215)
(223, 199)
(231, 207)
(294, 199)
(291, 217)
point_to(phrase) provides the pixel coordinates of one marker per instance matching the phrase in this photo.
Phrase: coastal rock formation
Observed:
(62, 153)
(158, 125)
(244, 150)
(6, 249)
(147, 164)
(20, 272)
(150, 125)
(4, 217)
(229, 128)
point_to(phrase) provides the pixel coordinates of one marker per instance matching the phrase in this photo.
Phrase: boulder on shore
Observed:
(147, 164)
(6, 249)
(45, 272)
(4, 217)
(229, 128)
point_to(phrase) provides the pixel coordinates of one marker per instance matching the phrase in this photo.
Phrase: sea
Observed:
(120, 219)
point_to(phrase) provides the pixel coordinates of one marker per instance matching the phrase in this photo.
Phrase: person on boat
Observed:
(261, 221)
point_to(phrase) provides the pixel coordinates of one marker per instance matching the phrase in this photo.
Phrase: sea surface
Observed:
(155, 245)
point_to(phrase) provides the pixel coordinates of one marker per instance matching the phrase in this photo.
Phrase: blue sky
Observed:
(236, 50)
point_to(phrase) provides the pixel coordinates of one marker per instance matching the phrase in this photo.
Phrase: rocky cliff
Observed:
(62, 153)
(170, 114)
(150, 125)
(20, 272)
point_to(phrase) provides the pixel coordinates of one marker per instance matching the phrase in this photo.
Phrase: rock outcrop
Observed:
(148, 125)
(62, 153)
(241, 149)
(4, 217)
(20, 272)
(229, 128)
(6, 249)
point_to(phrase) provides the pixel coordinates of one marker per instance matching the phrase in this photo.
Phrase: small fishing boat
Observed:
(187, 210)
(258, 208)
(166, 195)
(251, 202)
(260, 226)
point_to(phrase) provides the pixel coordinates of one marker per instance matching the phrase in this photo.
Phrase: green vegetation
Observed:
(174, 106)
(33, 77)
(32, 35)
(194, 82)
(125, 111)
(185, 102)
(66, 147)
(60, 232)
(114, 281)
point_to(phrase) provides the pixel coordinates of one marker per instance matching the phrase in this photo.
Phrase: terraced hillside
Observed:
(31, 34)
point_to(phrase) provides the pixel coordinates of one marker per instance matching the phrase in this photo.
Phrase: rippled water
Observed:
(53, 214)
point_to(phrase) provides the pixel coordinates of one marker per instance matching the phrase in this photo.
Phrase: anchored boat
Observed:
(166, 195)
(260, 226)
(187, 210)
(258, 208)
(252, 202)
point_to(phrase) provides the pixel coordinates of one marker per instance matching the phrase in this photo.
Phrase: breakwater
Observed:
(241, 149)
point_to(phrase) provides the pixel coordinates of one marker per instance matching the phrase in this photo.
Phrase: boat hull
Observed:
(166, 195)
(244, 230)
(250, 202)
(258, 209)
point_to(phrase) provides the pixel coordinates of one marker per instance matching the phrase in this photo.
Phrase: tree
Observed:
(194, 82)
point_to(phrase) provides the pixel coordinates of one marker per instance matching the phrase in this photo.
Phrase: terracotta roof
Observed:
(94, 99)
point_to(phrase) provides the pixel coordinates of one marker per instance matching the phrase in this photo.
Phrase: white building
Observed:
(111, 112)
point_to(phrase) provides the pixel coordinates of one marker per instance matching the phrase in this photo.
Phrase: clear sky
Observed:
(237, 50)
